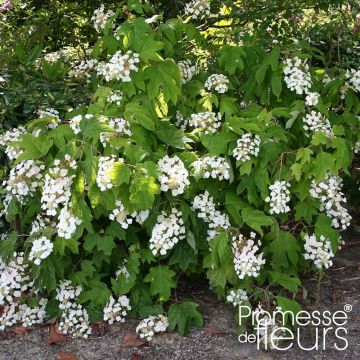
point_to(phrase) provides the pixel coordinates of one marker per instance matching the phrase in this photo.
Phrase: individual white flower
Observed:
(237, 297)
(319, 251)
(247, 146)
(204, 205)
(279, 197)
(217, 82)
(103, 177)
(331, 199)
(316, 122)
(10, 136)
(101, 17)
(116, 311)
(312, 99)
(119, 66)
(297, 76)
(215, 167)
(121, 215)
(148, 327)
(174, 175)
(247, 258)
(167, 232)
(208, 122)
(187, 70)
(198, 9)
(41, 249)
(67, 224)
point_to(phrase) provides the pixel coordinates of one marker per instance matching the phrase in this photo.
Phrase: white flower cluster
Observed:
(174, 175)
(103, 178)
(181, 122)
(84, 69)
(53, 114)
(205, 206)
(115, 97)
(75, 122)
(217, 82)
(319, 251)
(198, 9)
(279, 197)
(40, 223)
(297, 77)
(167, 232)
(67, 224)
(246, 147)
(208, 122)
(331, 199)
(152, 325)
(115, 311)
(8, 137)
(237, 297)
(101, 17)
(353, 77)
(247, 259)
(312, 99)
(119, 66)
(41, 249)
(24, 179)
(120, 126)
(357, 147)
(187, 70)
(315, 122)
(57, 186)
(215, 167)
(124, 218)
(74, 318)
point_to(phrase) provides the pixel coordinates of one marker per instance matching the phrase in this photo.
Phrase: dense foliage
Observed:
(171, 147)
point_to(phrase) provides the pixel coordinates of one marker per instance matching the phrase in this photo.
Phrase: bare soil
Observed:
(218, 339)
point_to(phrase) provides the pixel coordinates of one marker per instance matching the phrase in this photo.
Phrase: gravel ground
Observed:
(217, 340)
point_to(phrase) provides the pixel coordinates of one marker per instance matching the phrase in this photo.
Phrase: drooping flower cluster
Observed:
(279, 197)
(198, 9)
(84, 69)
(316, 122)
(24, 179)
(217, 82)
(68, 223)
(148, 327)
(41, 249)
(312, 99)
(119, 66)
(353, 79)
(237, 297)
(206, 210)
(318, 250)
(53, 114)
(247, 258)
(124, 218)
(331, 198)
(181, 122)
(57, 186)
(116, 311)
(174, 175)
(101, 17)
(247, 146)
(103, 178)
(74, 318)
(10, 136)
(187, 70)
(297, 77)
(167, 232)
(120, 126)
(208, 122)
(215, 167)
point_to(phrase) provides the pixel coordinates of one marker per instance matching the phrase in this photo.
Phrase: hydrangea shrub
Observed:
(228, 168)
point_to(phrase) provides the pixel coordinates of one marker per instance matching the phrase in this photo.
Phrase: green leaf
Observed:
(324, 227)
(276, 84)
(296, 171)
(288, 282)
(323, 164)
(304, 155)
(234, 204)
(170, 135)
(34, 147)
(256, 219)
(217, 143)
(120, 174)
(8, 246)
(105, 244)
(61, 244)
(143, 189)
(98, 293)
(288, 305)
(183, 316)
(161, 280)
(231, 58)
